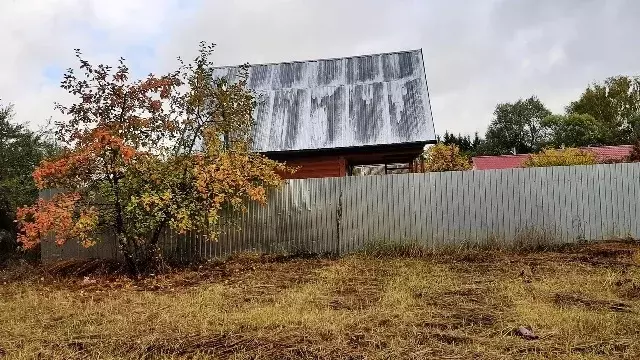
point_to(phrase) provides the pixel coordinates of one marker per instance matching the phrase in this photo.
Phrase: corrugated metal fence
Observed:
(340, 215)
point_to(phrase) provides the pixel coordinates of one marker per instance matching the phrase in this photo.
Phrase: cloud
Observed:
(38, 38)
(477, 53)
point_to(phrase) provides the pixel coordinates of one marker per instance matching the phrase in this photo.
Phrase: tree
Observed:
(441, 157)
(614, 103)
(572, 130)
(142, 156)
(635, 152)
(560, 157)
(516, 126)
(20, 152)
(468, 146)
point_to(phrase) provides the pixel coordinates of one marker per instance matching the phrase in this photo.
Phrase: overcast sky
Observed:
(477, 53)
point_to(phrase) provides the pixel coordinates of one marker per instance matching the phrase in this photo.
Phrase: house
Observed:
(603, 154)
(328, 117)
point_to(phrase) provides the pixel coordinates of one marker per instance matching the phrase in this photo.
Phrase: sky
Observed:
(477, 53)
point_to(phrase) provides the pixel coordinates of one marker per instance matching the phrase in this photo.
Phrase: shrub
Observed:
(561, 157)
(441, 157)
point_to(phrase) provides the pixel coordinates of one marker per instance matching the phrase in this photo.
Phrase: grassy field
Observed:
(583, 303)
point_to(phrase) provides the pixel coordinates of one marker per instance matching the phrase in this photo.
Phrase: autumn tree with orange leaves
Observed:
(441, 157)
(143, 156)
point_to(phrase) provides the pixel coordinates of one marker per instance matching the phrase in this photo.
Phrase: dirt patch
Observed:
(358, 290)
(473, 294)
(251, 346)
(82, 268)
(606, 253)
(19, 270)
(356, 295)
(609, 249)
(259, 282)
(608, 348)
(254, 276)
(580, 300)
(468, 306)
(628, 289)
(472, 317)
(447, 338)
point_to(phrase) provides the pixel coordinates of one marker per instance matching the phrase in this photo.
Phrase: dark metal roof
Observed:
(337, 103)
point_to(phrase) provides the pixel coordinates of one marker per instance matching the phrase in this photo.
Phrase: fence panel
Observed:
(341, 215)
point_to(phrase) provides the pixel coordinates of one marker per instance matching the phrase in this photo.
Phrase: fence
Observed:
(340, 215)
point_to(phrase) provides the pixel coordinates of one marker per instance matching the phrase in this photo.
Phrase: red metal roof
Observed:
(603, 154)
(499, 162)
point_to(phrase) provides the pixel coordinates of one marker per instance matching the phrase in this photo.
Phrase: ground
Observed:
(582, 303)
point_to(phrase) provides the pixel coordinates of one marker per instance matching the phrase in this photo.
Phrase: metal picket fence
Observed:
(470, 208)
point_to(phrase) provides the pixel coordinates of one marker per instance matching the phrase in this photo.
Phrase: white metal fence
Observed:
(340, 215)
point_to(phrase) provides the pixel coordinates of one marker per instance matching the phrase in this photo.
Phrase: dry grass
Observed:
(583, 304)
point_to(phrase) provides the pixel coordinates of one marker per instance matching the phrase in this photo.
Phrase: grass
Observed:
(583, 303)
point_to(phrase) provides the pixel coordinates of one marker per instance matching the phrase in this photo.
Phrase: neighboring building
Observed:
(499, 162)
(329, 116)
(603, 154)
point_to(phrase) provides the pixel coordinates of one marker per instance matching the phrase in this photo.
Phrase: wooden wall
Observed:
(318, 167)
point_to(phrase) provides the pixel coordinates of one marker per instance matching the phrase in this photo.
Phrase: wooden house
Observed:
(330, 116)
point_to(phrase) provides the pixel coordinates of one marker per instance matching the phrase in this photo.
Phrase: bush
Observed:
(441, 157)
(560, 157)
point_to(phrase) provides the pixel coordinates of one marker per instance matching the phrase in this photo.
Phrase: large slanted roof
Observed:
(338, 103)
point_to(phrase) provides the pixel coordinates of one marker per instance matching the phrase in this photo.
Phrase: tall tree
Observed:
(20, 152)
(572, 130)
(516, 126)
(614, 103)
(467, 145)
(142, 156)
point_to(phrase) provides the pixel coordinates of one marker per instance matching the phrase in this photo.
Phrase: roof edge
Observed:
(493, 156)
(624, 146)
(323, 59)
(348, 148)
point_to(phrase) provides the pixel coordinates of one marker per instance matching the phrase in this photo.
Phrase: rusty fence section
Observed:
(449, 209)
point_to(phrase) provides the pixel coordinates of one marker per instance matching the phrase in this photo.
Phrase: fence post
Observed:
(339, 220)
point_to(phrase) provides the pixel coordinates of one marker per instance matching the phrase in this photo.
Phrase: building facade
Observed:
(327, 117)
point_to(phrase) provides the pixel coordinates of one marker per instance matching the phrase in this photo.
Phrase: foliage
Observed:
(560, 157)
(465, 143)
(572, 130)
(20, 152)
(441, 157)
(142, 156)
(635, 152)
(607, 113)
(614, 103)
(516, 126)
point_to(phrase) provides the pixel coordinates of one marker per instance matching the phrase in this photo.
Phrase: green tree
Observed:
(614, 103)
(21, 150)
(441, 157)
(516, 126)
(467, 145)
(572, 130)
(635, 152)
